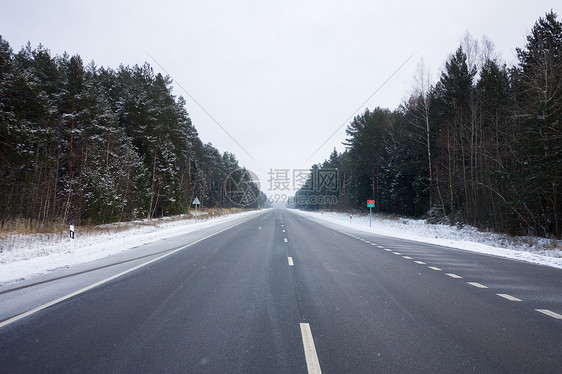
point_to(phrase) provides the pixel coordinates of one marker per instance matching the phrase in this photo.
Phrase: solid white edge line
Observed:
(549, 313)
(508, 297)
(312, 363)
(103, 281)
(291, 263)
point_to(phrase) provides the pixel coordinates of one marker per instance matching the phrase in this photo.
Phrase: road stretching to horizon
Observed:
(283, 293)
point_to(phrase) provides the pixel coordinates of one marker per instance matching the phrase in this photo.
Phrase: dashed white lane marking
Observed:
(476, 284)
(549, 313)
(454, 276)
(508, 297)
(291, 263)
(285, 240)
(283, 230)
(310, 354)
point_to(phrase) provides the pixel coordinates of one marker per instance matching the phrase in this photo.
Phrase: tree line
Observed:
(84, 144)
(483, 145)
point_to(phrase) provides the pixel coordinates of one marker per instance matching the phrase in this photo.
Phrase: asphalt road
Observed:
(283, 293)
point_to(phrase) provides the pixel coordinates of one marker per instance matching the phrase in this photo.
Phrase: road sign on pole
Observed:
(196, 202)
(370, 205)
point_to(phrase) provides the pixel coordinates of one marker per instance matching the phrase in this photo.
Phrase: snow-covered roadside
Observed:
(467, 238)
(31, 255)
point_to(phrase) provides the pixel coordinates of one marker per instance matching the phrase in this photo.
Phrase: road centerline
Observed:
(452, 275)
(508, 297)
(476, 284)
(312, 363)
(549, 313)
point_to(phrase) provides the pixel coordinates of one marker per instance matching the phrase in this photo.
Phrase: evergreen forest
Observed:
(481, 146)
(85, 144)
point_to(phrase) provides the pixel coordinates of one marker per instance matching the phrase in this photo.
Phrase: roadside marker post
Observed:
(71, 234)
(370, 205)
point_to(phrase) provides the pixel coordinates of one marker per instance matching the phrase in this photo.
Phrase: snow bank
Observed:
(541, 251)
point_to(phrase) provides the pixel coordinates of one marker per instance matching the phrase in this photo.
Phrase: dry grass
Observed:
(29, 227)
(534, 242)
(21, 226)
(391, 217)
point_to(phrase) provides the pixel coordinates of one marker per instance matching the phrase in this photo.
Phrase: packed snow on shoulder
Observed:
(25, 256)
(535, 250)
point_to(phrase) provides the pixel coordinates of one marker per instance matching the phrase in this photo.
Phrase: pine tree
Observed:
(538, 85)
(453, 93)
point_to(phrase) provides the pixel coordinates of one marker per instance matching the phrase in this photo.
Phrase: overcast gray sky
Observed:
(279, 76)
